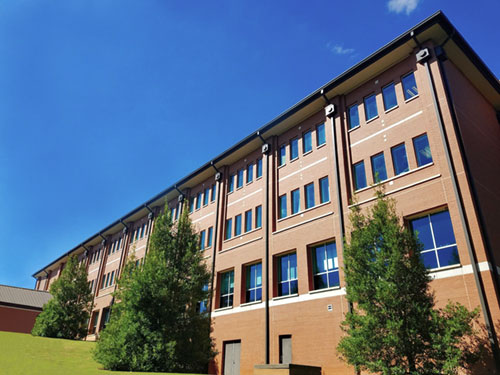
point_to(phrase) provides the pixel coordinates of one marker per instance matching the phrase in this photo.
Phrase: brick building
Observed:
(422, 114)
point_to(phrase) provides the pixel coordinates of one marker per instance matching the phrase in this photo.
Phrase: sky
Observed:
(105, 103)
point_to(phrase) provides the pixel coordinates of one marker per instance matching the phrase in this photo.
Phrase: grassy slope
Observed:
(24, 354)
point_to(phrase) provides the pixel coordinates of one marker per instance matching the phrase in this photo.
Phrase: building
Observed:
(422, 114)
(19, 308)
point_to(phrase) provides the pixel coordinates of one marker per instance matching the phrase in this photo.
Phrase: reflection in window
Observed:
(389, 96)
(325, 266)
(370, 107)
(227, 289)
(359, 175)
(287, 275)
(409, 86)
(309, 195)
(282, 160)
(294, 149)
(378, 168)
(254, 283)
(353, 115)
(307, 141)
(422, 150)
(320, 135)
(295, 201)
(435, 232)
(282, 206)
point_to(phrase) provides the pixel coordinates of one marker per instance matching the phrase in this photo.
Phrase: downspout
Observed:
(423, 56)
(218, 179)
(265, 151)
(441, 57)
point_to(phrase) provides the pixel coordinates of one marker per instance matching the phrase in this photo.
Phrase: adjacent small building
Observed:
(19, 308)
(420, 116)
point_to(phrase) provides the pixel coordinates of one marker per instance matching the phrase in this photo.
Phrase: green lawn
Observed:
(24, 354)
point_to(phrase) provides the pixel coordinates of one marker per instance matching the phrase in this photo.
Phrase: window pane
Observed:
(210, 235)
(320, 134)
(429, 259)
(213, 193)
(283, 274)
(282, 155)
(321, 281)
(448, 256)
(333, 279)
(307, 141)
(399, 159)
(331, 251)
(283, 289)
(309, 190)
(231, 183)
(206, 196)
(258, 216)
(258, 275)
(353, 116)
(295, 201)
(359, 175)
(229, 224)
(202, 240)
(198, 200)
(370, 107)
(237, 225)
(249, 173)
(378, 168)
(442, 228)
(320, 264)
(282, 206)
(422, 150)
(389, 95)
(294, 149)
(324, 189)
(294, 287)
(240, 178)
(293, 266)
(248, 221)
(259, 168)
(409, 86)
(422, 229)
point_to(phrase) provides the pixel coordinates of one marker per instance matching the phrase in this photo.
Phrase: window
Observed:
(353, 116)
(370, 107)
(112, 278)
(282, 160)
(422, 150)
(137, 233)
(229, 225)
(249, 173)
(172, 214)
(191, 204)
(399, 159)
(202, 240)
(226, 289)
(324, 190)
(119, 244)
(378, 168)
(325, 266)
(287, 275)
(248, 221)
(214, 189)
(309, 194)
(231, 183)
(237, 225)
(206, 196)
(320, 135)
(435, 232)
(359, 175)
(409, 86)
(258, 216)
(210, 235)
(259, 168)
(307, 141)
(202, 305)
(178, 209)
(389, 96)
(295, 201)
(198, 201)
(282, 206)
(294, 149)
(240, 179)
(253, 283)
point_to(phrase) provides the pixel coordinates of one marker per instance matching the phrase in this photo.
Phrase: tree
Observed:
(394, 327)
(67, 313)
(155, 325)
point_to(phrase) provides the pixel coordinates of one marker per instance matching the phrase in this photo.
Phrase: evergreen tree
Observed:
(67, 313)
(394, 327)
(155, 325)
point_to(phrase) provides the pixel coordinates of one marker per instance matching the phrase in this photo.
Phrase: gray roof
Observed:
(14, 295)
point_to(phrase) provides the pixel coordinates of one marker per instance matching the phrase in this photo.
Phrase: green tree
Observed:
(394, 327)
(155, 325)
(67, 313)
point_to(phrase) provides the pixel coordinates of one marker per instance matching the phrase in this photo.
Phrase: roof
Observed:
(15, 296)
(436, 27)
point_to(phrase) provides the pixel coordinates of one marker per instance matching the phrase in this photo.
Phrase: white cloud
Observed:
(339, 50)
(399, 6)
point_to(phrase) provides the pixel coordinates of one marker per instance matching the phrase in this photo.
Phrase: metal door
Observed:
(286, 349)
(232, 358)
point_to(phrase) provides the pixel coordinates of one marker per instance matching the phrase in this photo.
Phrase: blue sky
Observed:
(104, 103)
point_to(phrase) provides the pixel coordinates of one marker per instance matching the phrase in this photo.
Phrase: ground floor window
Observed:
(325, 266)
(287, 275)
(226, 289)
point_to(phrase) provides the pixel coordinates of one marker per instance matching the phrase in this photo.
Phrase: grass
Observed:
(25, 354)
